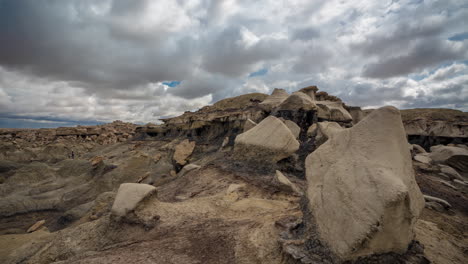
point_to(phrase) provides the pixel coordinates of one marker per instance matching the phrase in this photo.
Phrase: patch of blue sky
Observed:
(459, 37)
(260, 72)
(172, 83)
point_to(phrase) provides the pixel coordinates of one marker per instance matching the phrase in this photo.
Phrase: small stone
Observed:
(96, 160)
(36, 226)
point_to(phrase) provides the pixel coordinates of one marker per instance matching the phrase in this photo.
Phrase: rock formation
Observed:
(362, 192)
(231, 180)
(269, 141)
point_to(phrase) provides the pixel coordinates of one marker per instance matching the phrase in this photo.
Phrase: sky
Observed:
(64, 63)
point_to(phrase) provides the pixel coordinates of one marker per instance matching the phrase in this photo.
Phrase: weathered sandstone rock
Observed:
(274, 100)
(285, 183)
(362, 191)
(187, 168)
(455, 157)
(270, 141)
(183, 150)
(129, 196)
(36, 226)
(295, 129)
(249, 124)
(297, 101)
(423, 158)
(325, 130)
(333, 111)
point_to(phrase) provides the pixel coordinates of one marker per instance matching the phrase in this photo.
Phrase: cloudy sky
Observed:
(90, 61)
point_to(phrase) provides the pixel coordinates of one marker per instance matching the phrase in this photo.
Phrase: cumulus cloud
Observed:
(99, 60)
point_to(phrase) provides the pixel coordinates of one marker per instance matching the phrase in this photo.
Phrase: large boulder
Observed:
(361, 188)
(269, 141)
(456, 157)
(129, 197)
(183, 150)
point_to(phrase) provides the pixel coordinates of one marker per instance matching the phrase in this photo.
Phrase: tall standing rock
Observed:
(269, 141)
(361, 188)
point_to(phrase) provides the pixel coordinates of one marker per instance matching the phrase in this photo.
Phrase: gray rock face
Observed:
(367, 200)
(269, 141)
(129, 196)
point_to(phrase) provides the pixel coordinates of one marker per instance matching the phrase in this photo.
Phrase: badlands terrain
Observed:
(280, 178)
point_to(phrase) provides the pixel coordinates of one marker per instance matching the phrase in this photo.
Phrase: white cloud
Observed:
(104, 60)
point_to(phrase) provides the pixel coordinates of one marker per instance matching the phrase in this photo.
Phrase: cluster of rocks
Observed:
(110, 133)
(343, 178)
(362, 192)
(429, 127)
(226, 118)
(450, 162)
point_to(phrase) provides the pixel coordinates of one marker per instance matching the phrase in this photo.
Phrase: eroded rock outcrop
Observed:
(269, 141)
(362, 191)
(456, 157)
(129, 196)
(183, 150)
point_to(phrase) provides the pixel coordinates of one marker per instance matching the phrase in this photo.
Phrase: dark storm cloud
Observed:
(65, 40)
(227, 53)
(426, 53)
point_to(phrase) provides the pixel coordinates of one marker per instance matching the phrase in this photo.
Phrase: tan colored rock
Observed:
(423, 159)
(310, 91)
(455, 157)
(297, 101)
(249, 124)
(361, 188)
(129, 196)
(356, 113)
(312, 130)
(269, 141)
(286, 183)
(183, 150)
(429, 198)
(326, 130)
(36, 226)
(333, 111)
(187, 168)
(157, 157)
(418, 149)
(295, 129)
(97, 160)
(274, 100)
